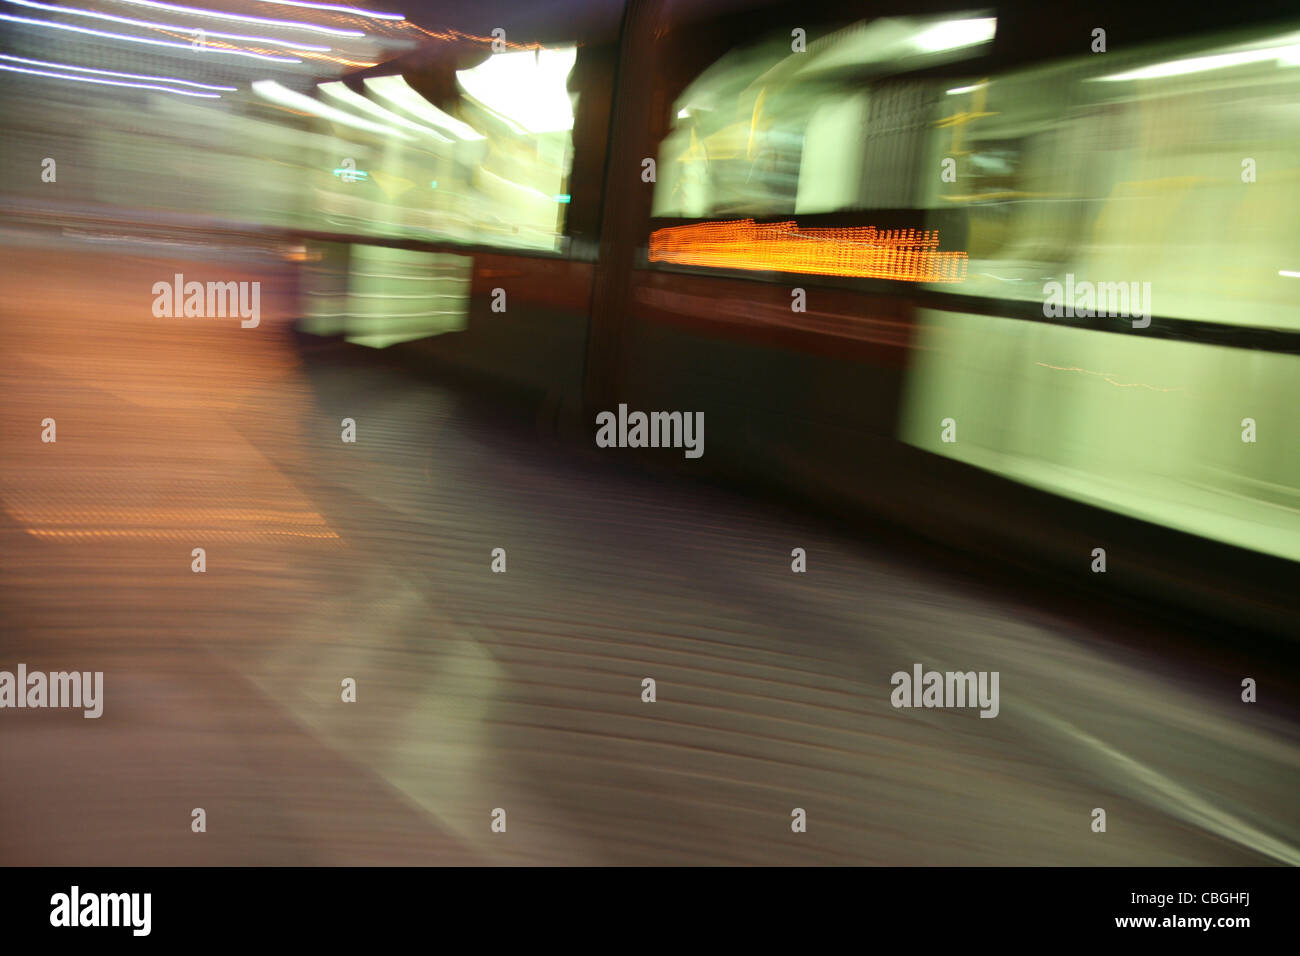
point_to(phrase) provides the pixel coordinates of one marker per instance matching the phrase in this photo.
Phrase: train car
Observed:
(1025, 287)
(1016, 282)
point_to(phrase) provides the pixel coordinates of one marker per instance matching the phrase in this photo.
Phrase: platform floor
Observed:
(522, 690)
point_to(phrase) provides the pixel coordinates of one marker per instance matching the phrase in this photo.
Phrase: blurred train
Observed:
(1023, 280)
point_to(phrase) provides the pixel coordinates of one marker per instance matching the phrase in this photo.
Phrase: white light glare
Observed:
(1288, 55)
(341, 92)
(965, 89)
(529, 88)
(273, 91)
(953, 34)
(397, 91)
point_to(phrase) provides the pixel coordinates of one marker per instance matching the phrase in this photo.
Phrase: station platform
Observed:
(522, 691)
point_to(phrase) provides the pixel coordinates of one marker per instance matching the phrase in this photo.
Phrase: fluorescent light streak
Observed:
(273, 91)
(1289, 275)
(397, 91)
(953, 34)
(338, 9)
(340, 91)
(528, 88)
(91, 79)
(1288, 55)
(217, 14)
(126, 76)
(130, 39)
(965, 89)
(77, 12)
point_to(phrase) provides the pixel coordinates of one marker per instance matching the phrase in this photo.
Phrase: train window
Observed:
(498, 171)
(476, 156)
(767, 131)
(734, 147)
(518, 194)
(1173, 171)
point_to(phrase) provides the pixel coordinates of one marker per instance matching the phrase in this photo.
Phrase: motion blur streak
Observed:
(839, 258)
(28, 21)
(220, 15)
(127, 76)
(354, 11)
(91, 79)
(74, 11)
